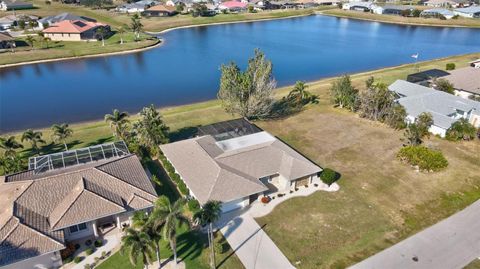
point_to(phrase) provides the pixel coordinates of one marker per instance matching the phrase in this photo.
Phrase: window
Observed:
(78, 228)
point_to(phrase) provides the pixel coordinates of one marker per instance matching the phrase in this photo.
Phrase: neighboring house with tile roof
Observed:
(160, 11)
(76, 30)
(40, 212)
(466, 81)
(235, 169)
(445, 108)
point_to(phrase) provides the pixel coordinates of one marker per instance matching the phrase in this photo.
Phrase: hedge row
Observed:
(423, 157)
(174, 176)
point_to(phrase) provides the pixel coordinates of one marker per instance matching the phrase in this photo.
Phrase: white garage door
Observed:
(235, 204)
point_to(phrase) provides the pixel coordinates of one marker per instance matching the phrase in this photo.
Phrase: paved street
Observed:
(252, 245)
(449, 244)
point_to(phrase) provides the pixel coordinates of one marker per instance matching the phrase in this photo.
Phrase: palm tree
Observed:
(121, 31)
(61, 132)
(137, 243)
(170, 217)
(207, 215)
(102, 32)
(9, 144)
(118, 120)
(34, 138)
(136, 26)
(30, 40)
(46, 40)
(301, 95)
(143, 222)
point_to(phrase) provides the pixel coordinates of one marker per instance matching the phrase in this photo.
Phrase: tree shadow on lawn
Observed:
(191, 245)
(50, 148)
(100, 141)
(167, 188)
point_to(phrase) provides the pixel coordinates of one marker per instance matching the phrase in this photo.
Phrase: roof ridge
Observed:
(112, 176)
(70, 205)
(13, 228)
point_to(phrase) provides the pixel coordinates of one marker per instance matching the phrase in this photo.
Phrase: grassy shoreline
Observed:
(73, 50)
(188, 115)
(392, 19)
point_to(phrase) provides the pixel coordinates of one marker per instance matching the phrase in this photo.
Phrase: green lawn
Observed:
(62, 49)
(461, 22)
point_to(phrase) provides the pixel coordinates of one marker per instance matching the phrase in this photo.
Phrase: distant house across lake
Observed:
(160, 11)
(74, 30)
(14, 5)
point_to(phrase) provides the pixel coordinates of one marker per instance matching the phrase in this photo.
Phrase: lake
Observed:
(186, 68)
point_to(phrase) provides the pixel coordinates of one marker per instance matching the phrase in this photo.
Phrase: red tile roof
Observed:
(75, 27)
(165, 8)
(234, 4)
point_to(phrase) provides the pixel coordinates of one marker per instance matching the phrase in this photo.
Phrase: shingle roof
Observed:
(47, 202)
(465, 79)
(164, 8)
(441, 105)
(64, 17)
(227, 170)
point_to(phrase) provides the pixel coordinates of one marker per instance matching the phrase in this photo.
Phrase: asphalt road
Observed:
(450, 244)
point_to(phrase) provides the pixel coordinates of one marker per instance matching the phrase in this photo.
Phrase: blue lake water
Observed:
(186, 68)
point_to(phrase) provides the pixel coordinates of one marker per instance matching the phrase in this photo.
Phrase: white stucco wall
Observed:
(63, 37)
(84, 233)
(475, 119)
(437, 130)
(50, 260)
(235, 204)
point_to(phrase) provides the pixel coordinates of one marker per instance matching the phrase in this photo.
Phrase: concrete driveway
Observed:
(450, 244)
(251, 244)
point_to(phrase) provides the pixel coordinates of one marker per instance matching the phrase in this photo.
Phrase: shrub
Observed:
(450, 66)
(183, 188)
(67, 260)
(68, 251)
(77, 246)
(78, 259)
(96, 259)
(220, 248)
(104, 254)
(461, 130)
(265, 199)
(193, 205)
(88, 242)
(89, 251)
(87, 266)
(423, 157)
(98, 243)
(328, 176)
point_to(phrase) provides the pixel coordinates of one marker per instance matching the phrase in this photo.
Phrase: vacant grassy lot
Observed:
(463, 22)
(62, 49)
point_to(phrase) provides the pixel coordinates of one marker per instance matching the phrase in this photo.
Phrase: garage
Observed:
(235, 204)
(302, 181)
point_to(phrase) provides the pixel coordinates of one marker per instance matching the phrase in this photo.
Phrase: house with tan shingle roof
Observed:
(42, 210)
(235, 161)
